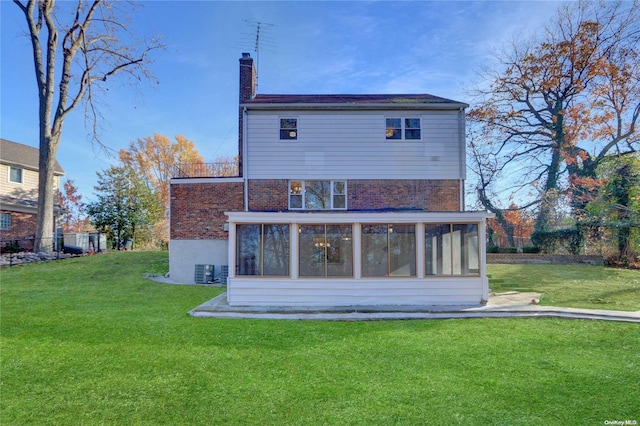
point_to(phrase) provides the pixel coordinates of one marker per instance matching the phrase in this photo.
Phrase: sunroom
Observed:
(353, 258)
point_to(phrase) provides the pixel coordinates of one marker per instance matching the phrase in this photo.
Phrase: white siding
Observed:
(343, 292)
(28, 189)
(352, 145)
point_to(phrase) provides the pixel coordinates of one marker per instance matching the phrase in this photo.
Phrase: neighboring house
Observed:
(341, 200)
(19, 190)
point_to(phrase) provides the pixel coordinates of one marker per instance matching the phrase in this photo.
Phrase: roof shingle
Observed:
(23, 155)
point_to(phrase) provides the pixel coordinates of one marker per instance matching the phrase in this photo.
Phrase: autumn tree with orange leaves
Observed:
(558, 106)
(73, 209)
(155, 157)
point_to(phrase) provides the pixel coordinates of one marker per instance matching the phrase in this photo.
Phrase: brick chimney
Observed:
(247, 91)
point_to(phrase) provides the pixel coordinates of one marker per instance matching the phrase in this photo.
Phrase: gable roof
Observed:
(381, 101)
(25, 156)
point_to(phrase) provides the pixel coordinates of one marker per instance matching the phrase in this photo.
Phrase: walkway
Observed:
(504, 305)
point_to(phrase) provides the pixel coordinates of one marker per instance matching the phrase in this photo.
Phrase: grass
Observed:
(576, 286)
(88, 341)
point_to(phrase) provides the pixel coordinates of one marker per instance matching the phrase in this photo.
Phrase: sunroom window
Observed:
(262, 249)
(317, 195)
(325, 251)
(403, 128)
(388, 250)
(452, 249)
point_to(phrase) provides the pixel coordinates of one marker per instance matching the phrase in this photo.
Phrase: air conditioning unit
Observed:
(204, 274)
(224, 274)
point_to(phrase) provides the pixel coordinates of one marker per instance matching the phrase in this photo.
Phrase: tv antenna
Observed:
(258, 39)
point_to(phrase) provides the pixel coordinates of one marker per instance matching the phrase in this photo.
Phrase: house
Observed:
(340, 200)
(19, 191)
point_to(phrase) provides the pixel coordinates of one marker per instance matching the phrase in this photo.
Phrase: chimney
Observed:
(247, 91)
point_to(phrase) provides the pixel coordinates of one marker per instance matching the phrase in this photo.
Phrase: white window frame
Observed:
(280, 129)
(332, 194)
(5, 221)
(21, 175)
(403, 128)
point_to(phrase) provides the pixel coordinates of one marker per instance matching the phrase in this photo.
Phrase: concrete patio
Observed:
(502, 305)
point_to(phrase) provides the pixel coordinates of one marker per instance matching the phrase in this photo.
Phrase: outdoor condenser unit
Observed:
(224, 274)
(204, 274)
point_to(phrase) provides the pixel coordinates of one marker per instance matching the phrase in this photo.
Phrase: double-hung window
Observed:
(15, 174)
(317, 195)
(288, 128)
(403, 129)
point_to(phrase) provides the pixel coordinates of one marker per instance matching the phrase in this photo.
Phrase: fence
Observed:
(201, 170)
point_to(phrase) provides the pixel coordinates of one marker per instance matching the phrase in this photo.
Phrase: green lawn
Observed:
(576, 286)
(87, 341)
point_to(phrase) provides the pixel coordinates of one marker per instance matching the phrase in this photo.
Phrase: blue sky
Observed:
(312, 47)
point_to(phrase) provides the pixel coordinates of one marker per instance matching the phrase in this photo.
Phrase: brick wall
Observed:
(23, 225)
(197, 209)
(268, 195)
(431, 195)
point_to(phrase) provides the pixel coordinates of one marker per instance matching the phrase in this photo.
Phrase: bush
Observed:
(11, 247)
(570, 240)
(530, 249)
(493, 249)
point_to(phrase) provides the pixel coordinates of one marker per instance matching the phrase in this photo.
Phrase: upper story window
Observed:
(318, 195)
(288, 128)
(403, 128)
(5, 221)
(15, 174)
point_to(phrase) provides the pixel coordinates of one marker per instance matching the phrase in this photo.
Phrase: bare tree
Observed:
(94, 44)
(557, 106)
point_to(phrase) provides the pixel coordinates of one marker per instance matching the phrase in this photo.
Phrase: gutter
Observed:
(357, 106)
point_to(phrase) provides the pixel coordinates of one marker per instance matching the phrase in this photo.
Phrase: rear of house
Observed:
(19, 173)
(340, 200)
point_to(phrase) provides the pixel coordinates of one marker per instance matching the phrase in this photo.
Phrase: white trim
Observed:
(353, 217)
(435, 106)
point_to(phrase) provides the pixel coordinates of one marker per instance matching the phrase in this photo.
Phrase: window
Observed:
(262, 249)
(403, 128)
(288, 128)
(325, 251)
(452, 249)
(5, 221)
(317, 195)
(15, 174)
(388, 250)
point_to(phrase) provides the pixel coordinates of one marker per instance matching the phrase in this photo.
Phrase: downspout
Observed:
(463, 155)
(244, 160)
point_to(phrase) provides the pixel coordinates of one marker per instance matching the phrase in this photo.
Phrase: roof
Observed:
(381, 101)
(26, 156)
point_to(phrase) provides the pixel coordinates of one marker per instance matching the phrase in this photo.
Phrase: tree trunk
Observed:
(46, 195)
(547, 205)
